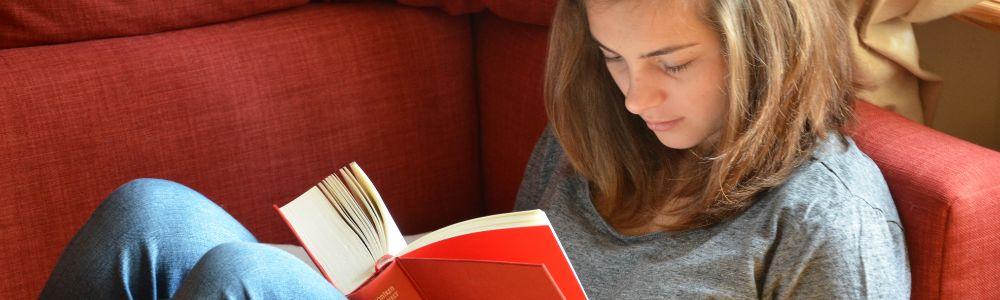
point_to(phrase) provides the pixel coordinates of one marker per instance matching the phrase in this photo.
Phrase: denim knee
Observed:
(151, 204)
(146, 198)
(243, 270)
(141, 242)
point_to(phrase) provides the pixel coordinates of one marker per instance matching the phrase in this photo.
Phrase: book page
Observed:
(395, 241)
(501, 221)
(344, 200)
(344, 225)
(374, 216)
(332, 243)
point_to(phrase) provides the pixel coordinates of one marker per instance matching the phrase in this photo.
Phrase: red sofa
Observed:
(440, 101)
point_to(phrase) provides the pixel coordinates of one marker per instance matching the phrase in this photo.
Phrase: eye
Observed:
(610, 59)
(674, 69)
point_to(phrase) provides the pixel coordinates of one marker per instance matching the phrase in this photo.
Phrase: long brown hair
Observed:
(790, 83)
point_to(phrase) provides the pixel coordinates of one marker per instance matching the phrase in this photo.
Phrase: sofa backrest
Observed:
(249, 111)
(42, 22)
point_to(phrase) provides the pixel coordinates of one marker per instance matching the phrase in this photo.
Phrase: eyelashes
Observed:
(674, 69)
(665, 67)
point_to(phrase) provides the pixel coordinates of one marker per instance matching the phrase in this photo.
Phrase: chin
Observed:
(679, 141)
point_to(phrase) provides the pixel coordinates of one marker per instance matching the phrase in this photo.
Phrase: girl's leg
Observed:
(141, 242)
(242, 270)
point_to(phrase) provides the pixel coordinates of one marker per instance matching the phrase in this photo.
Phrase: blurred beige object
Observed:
(985, 14)
(887, 55)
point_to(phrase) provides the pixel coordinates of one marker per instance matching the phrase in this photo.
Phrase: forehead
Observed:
(615, 22)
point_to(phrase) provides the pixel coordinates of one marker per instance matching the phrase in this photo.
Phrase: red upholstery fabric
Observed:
(537, 12)
(453, 7)
(39, 22)
(947, 192)
(510, 60)
(250, 113)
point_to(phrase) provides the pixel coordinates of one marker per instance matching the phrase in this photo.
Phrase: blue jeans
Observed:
(154, 239)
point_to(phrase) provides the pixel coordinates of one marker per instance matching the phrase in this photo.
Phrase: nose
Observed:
(643, 94)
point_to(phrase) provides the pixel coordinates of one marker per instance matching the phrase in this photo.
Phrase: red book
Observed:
(349, 234)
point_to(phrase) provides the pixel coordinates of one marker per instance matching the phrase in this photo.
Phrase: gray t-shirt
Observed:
(830, 231)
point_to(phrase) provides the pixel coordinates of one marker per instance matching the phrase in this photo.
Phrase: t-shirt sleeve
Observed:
(845, 250)
(538, 171)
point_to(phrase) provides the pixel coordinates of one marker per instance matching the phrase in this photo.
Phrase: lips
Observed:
(663, 126)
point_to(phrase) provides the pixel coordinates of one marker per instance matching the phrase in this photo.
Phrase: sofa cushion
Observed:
(454, 7)
(250, 113)
(39, 22)
(537, 12)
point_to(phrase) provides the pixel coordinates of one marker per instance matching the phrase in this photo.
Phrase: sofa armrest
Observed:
(947, 192)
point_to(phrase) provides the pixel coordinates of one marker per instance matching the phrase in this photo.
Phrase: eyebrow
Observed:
(662, 51)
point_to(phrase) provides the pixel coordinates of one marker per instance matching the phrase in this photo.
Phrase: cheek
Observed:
(704, 102)
(714, 102)
(719, 108)
(715, 108)
(720, 99)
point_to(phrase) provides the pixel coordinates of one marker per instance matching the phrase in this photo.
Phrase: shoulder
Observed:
(547, 146)
(836, 228)
(540, 171)
(839, 186)
(545, 157)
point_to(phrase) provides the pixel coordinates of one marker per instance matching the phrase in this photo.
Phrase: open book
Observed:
(349, 234)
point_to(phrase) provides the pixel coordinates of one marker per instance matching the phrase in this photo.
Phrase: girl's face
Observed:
(667, 62)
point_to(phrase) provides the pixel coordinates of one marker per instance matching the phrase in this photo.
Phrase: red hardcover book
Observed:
(351, 238)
